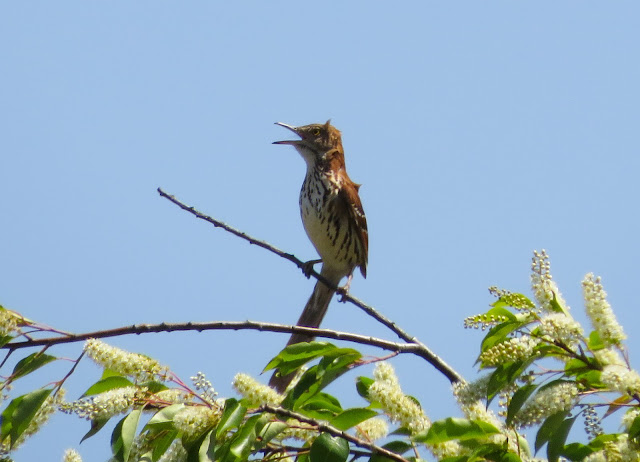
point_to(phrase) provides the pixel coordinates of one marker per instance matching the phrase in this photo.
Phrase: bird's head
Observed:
(315, 141)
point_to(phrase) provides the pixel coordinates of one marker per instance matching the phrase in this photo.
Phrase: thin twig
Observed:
(423, 351)
(323, 427)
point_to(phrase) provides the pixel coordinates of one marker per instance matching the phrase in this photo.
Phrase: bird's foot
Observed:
(307, 267)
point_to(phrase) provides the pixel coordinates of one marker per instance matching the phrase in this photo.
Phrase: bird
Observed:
(333, 219)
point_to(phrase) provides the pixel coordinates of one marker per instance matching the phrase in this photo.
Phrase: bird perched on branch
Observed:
(333, 218)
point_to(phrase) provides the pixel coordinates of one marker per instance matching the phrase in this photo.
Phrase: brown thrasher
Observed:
(333, 217)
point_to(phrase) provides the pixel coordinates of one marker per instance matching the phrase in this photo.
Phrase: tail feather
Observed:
(311, 316)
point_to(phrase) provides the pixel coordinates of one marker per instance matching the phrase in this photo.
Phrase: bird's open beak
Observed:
(293, 129)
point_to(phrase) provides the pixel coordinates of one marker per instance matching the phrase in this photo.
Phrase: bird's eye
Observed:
(316, 132)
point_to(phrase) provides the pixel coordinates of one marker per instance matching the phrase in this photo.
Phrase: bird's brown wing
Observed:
(348, 195)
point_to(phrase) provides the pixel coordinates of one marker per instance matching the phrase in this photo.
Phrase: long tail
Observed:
(311, 316)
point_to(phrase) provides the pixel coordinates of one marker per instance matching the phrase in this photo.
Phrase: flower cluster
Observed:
(299, 430)
(373, 429)
(256, 393)
(107, 404)
(204, 386)
(618, 450)
(483, 321)
(400, 407)
(547, 401)
(592, 422)
(510, 350)
(8, 321)
(140, 367)
(193, 421)
(470, 397)
(600, 312)
(562, 328)
(621, 378)
(517, 301)
(172, 396)
(71, 455)
(470, 392)
(544, 288)
(175, 453)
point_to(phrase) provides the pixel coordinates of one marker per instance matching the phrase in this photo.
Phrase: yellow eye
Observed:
(316, 132)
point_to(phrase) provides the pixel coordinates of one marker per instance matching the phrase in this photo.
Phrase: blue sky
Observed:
(479, 130)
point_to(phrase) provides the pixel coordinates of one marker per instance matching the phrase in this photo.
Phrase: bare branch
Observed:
(216, 325)
(323, 427)
(423, 351)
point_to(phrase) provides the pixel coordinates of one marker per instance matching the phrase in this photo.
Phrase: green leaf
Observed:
(634, 430)
(362, 386)
(331, 366)
(456, 429)
(575, 366)
(591, 379)
(96, 426)
(31, 363)
(548, 428)
(327, 448)
(321, 406)
(243, 440)
(492, 452)
(339, 359)
(4, 339)
(401, 431)
(556, 442)
(154, 386)
(501, 312)
(222, 453)
(294, 356)
(600, 441)
(586, 373)
(352, 417)
(206, 453)
(398, 447)
(106, 384)
(518, 400)
(109, 373)
(269, 431)
(117, 444)
(555, 306)
(505, 375)
(161, 443)
(523, 445)
(123, 435)
(164, 417)
(202, 449)
(498, 334)
(231, 416)
(129, 431)
(595, 342)
(508, 457)
(20, 412)
(577, 451)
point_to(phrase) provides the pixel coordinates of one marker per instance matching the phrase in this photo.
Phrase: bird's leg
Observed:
(307, 267)
(344, 290)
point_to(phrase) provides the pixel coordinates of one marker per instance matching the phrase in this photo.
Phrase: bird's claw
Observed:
(342, 292)
(307, 267)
